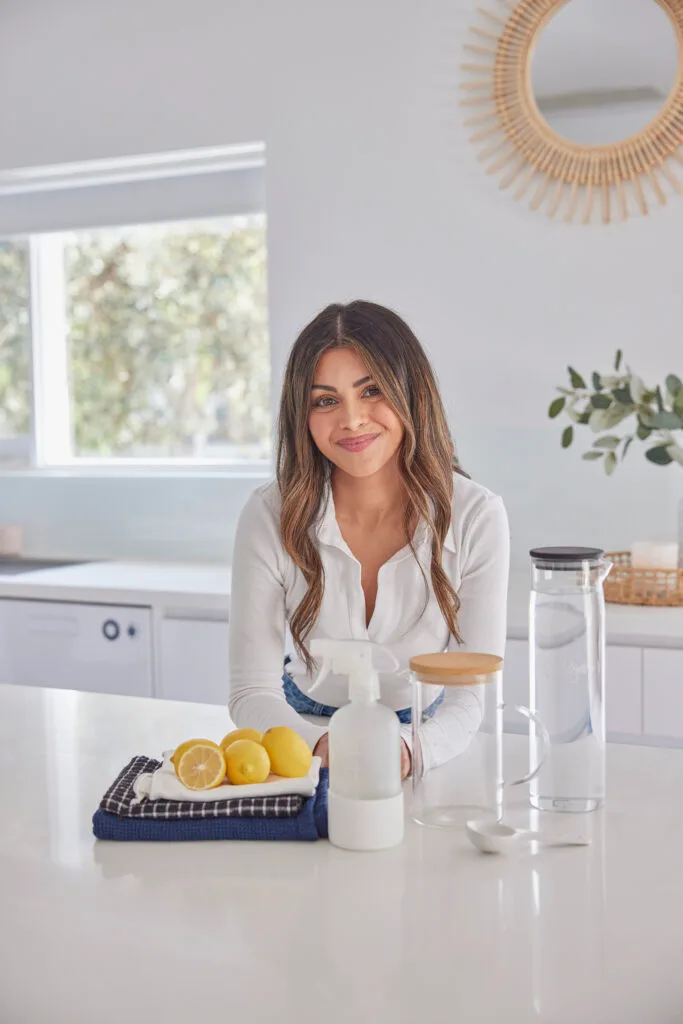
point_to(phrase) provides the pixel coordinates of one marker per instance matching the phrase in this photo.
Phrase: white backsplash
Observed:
(170, 518)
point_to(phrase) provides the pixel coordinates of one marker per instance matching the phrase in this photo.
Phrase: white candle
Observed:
(10, 539)
(646, 555)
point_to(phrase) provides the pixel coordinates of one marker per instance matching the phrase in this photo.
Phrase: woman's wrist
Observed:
(406, 760)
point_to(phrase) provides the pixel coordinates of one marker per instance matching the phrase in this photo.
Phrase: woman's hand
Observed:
(322, 750)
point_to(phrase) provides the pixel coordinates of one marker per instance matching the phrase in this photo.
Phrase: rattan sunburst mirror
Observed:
(583, 151)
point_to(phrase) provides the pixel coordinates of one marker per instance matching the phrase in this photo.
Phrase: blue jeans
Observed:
(305, 705)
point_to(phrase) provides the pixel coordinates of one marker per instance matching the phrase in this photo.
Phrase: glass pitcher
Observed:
(470, 785)
(567, 675)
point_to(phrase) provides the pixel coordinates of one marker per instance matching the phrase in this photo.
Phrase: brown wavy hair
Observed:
(426, 456)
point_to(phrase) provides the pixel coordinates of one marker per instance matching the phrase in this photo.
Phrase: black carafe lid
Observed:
(566, 556)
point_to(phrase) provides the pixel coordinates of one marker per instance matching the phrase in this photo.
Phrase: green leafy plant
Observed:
(653, 415)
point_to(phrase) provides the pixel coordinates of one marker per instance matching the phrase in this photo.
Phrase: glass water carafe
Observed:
(471, 785)
(567, 675)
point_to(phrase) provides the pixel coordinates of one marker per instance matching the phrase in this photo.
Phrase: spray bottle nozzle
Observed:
(352, 658)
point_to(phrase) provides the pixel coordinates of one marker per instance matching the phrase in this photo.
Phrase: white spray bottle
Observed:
(365, 802)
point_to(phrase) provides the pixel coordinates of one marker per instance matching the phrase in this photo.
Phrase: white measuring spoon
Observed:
(494, 837)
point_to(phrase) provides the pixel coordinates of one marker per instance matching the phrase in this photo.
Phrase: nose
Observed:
(353, 414)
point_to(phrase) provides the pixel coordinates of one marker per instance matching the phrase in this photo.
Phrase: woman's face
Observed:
(349, 420)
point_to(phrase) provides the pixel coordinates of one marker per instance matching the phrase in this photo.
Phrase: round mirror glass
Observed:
(602, 69)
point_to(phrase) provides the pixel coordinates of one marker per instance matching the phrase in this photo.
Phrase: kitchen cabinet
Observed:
(663, 681)
(193, 657)
(62, 644)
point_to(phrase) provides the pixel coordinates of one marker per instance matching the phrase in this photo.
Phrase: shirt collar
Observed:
(327, 528)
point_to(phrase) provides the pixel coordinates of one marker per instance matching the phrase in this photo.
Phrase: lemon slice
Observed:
(201, 765)
(240, 734)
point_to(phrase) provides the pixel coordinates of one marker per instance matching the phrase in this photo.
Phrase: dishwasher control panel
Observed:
(102, 648)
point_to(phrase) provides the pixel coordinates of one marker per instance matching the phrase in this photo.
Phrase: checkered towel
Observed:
(120, 800)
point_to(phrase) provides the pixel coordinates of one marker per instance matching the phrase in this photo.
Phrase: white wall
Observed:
(373, 191)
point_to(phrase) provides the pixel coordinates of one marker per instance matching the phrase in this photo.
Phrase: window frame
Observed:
(50, 442)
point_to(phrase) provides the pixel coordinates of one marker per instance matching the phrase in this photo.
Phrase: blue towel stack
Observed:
(130, 825)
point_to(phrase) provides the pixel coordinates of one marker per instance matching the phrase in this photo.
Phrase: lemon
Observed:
(246, 762)
(201, 765)
(290, 756)
(179, 751)
(240, 734)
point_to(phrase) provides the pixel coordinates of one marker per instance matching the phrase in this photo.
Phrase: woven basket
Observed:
(657, 587)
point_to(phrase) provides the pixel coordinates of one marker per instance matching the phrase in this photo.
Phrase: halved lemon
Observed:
(201, 765)
(179, 751)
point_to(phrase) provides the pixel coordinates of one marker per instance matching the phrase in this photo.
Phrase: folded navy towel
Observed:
(310, 824)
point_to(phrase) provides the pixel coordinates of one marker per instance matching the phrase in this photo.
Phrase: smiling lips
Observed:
(358, 444)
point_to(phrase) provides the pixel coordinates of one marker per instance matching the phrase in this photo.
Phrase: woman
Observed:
(371, 532)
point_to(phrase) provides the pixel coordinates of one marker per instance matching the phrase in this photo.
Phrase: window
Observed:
(15, 353)
(142, 341)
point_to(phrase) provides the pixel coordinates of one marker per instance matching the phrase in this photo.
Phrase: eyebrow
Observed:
(328, 387)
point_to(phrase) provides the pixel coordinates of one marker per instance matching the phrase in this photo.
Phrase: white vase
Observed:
(680, 534)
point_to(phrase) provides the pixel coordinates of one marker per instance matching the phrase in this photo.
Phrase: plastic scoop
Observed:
(494, 837)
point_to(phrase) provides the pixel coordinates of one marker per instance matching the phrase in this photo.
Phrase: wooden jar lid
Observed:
(454, 668)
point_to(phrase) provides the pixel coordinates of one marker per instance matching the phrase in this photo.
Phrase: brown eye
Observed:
(324, 402)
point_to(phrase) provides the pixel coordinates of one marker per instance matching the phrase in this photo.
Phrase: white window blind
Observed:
(222, 181)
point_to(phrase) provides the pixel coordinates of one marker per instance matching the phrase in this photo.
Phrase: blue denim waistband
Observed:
(305, 705)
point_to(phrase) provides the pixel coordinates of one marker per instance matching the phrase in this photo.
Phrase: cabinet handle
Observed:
(195, 615)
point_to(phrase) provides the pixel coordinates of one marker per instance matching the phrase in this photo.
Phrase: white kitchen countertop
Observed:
(431, 931)
(208, 587)
(128, 583)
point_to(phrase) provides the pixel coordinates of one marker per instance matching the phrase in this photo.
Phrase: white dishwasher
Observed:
(101, 648)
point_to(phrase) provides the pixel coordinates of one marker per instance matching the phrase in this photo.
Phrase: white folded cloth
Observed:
(164, 784)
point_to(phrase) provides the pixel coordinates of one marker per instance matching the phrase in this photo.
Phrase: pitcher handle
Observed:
(526, 712)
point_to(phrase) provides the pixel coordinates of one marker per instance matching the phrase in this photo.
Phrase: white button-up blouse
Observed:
(267, 587)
